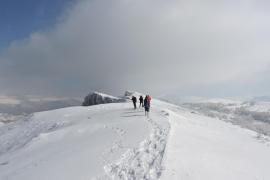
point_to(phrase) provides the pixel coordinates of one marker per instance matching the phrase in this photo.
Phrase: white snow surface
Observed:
(201, 147)
(260, 107)
(113, 141)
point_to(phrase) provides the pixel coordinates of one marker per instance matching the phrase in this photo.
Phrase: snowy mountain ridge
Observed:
(114, 141)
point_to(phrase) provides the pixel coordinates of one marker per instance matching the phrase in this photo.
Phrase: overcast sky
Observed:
(210, 47)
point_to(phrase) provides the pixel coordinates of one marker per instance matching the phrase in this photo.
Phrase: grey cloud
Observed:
(150, 46)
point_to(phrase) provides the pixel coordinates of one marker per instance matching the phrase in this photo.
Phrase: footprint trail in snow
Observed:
(145, 161)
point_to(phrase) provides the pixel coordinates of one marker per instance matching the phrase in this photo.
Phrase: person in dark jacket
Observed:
(141, 101)
(147, 100)
(134, 100)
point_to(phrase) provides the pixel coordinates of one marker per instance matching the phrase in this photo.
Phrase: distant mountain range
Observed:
(262, 98)
(13, 107)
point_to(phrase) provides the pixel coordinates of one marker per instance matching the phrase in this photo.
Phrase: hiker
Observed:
(147, 100)
(134, 100)
(141, 101)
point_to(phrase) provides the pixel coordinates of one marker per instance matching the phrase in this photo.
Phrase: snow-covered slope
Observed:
(114, 141)
(129, 94)
(78, 142)
(251, 115)
(201, 147)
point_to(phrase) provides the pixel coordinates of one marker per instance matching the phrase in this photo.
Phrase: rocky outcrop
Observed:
(95, 98)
